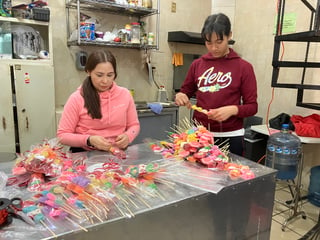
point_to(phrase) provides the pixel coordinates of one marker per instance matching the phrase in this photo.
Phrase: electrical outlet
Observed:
(173, 7)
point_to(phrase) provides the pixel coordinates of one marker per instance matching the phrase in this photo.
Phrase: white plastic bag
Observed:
(27, 42)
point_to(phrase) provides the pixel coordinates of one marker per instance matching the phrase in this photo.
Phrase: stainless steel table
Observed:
(241, 209)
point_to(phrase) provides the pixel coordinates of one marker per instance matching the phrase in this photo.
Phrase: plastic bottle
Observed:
(151, 38)
(284, 153)
(135, 29)
(128, 34)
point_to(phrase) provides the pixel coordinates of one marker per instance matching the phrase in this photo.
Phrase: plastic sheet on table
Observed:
(194, 175)
(207, 179)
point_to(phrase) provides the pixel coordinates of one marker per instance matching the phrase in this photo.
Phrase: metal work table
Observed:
(241, 209)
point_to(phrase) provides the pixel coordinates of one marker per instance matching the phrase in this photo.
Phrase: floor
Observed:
(296, 227)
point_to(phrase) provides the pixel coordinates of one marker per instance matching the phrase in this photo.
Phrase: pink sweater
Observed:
(119, 116)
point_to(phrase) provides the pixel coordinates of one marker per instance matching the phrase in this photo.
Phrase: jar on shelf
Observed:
(128, 34)
(147, 3)
(132, 3)
(135, 30)
(151, 38)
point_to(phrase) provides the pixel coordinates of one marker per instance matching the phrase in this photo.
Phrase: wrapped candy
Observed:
(47, 158)
(35, 182)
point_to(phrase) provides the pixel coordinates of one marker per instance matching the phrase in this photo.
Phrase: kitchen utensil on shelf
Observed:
(149, 67)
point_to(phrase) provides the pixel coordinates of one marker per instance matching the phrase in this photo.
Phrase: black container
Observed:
(41, 14)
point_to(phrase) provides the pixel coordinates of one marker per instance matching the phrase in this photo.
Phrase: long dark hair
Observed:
(89, 93)
(216, 23)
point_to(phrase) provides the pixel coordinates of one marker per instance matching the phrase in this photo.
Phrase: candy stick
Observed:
(160, 195)
(109, 198)
(93, 213)
(125, 203)
(199, 109)
(75, 223)
(121, 198)
(142, 200)
(34, 212)
(98, 200)
(132, 202)
(155, 189)
(71, 213)
(88, 218)
(130, 212)
(55, 203)
(47, 227)
(69, 208)
(119, 209)
(73, 201)
(98, 209)
(144, 191)
(166, 182)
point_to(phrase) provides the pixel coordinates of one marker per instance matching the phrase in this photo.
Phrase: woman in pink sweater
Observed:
(99, 114)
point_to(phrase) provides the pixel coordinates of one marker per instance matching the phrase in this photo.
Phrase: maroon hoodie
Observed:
(218, 82)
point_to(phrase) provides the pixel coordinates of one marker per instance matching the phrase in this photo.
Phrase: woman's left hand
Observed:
(223, 113)
(122, 141)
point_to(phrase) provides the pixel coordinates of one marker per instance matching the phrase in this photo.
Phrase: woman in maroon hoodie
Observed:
(223, 83)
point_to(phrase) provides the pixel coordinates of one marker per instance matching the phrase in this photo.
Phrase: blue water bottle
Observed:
(284, 153)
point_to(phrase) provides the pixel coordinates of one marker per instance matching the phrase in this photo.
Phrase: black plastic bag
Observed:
(280, 119)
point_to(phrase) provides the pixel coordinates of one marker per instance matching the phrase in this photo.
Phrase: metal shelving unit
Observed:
(313, 35)
(111, 8)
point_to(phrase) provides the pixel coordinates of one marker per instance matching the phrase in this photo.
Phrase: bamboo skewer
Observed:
(93, 213)
(77, 224)
(142, 200)
(48, 228)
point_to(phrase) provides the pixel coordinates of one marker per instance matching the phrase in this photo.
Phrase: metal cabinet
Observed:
(7, 138)
(156, 126)
(27, 105)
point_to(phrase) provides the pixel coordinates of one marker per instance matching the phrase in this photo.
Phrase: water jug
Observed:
(284, 153)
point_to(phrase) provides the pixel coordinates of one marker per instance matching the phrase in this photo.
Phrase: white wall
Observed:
(131, 62)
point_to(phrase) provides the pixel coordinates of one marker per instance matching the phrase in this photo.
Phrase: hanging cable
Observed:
(281, 58)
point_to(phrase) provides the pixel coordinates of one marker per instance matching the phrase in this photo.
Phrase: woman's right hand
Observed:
(182, 100)
(100, 143)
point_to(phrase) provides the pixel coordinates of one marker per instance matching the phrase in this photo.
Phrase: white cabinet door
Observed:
(35, 103)
(7, 137)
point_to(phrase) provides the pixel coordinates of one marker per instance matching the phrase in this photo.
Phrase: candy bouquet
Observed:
(196, 144)
(43, 160)
(67, 194)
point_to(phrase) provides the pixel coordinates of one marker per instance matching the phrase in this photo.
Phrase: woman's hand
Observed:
(223, 113)
(122, 141)
(182, 100)
(100, 143)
